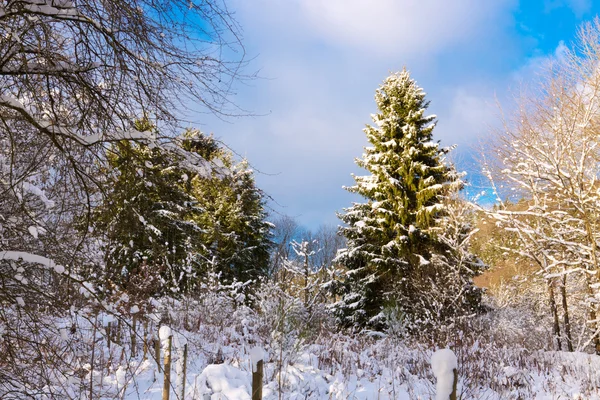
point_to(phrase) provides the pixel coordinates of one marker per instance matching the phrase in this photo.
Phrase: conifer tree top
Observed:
(400, 87)
(392, 244)
(407, 169)
(400, 100)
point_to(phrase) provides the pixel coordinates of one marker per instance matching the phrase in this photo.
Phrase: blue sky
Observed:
(321, 61)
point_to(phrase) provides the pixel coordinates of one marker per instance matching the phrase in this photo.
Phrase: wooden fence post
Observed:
(145, 356)
(184, 372)
(454, 384)
(257, 378)
(167, 383)
(157, 353)
(257, 360)
(118, 333)
(108, 334)
(133, 335)
(444, 365)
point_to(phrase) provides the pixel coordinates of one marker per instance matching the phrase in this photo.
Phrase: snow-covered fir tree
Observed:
(394, 256)
(166, 227)
(144, 221)
(235, 234)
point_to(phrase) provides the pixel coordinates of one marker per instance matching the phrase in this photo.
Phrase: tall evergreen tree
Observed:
(145, 220)
(391, 238)
(165, 225)
(235, 233)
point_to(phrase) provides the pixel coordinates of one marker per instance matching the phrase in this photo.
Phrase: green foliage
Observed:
(166, 225)
(145, 220)
(392, 237)
(235, 232)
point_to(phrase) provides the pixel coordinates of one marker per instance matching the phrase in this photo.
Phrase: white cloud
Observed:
(324, 59)
(472, 113)
(533, 70)
(382, 27)
(561, 50)
(392, 26)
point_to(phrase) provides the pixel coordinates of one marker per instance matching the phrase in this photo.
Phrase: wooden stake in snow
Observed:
(166, 338)
(145, 356)
(157, 353)
(185, 354)
(257, 355)
(108, 334)
(133, 335)
(181, 348)
(444, 366)
(118, 333)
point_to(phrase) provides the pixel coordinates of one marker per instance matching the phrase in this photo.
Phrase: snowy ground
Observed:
(336, 366)
(302, 360)
(303, 379)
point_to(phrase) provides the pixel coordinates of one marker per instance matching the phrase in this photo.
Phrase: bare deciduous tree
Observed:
(550, 153)
(74, 76)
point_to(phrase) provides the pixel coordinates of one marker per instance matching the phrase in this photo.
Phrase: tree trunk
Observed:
(592, 315)
(592, 309)
(566, 320)
(306, 280)
(93, 354)
(554, 310)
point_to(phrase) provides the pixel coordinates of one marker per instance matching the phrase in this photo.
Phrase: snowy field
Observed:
(384, 371)
(308, 364)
